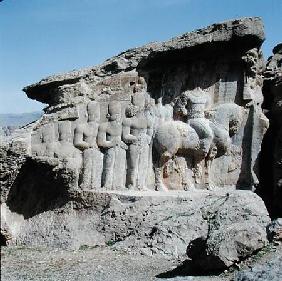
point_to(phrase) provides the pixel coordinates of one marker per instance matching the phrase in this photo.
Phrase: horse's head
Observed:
(236, 114)
(228, 115)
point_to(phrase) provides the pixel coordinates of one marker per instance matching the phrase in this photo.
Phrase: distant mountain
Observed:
(18, 120)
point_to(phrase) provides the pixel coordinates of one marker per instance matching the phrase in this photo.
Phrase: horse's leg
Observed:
(208, 163)
(159, 185)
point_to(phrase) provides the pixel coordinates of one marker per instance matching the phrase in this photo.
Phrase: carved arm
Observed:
(126, 136)
(150, 131)
(78, 138)
(102, 138)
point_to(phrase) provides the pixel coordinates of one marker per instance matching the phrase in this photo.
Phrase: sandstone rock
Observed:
(14, 149)
(247, 32)
(10, 225)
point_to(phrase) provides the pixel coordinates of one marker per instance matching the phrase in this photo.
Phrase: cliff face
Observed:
(271, 150)
(202, 88)
(148, 151)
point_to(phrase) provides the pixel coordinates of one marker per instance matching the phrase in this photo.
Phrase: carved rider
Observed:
(162, 112)
(196, 103)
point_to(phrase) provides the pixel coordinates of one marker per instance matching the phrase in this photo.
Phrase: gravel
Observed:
(107, 264)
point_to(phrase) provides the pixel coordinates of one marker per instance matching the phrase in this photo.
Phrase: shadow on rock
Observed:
(39, 187)
(187, 268)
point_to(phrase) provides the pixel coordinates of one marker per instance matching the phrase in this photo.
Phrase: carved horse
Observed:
(177, 137)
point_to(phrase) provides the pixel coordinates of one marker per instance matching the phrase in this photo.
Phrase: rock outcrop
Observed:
(234, 232)
(150, 151)
(231, 225)
(271, 163)
(14, 151)
(172, 115)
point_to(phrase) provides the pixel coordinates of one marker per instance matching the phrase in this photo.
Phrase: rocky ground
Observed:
(104, 263)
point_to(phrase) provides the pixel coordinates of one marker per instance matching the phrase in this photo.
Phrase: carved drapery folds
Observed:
(155, 119)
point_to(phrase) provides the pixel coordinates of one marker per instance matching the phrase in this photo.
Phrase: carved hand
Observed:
(82, 145)
(123, 145)
(131, 140)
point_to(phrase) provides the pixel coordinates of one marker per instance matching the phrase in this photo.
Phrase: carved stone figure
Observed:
(168, 139)
(137, 132)
(85, 139)
(196, 103)
(65, 150)
(109, 138)
(45, 144)
(162, 112)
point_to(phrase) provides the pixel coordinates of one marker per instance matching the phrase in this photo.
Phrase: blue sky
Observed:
(43, 37)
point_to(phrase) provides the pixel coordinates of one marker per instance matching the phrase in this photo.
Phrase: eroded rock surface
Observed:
(14, 150)
(235, 232)
(270, 271)
(231, 224)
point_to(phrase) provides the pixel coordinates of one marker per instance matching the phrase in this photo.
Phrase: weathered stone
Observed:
(248, 33)
(270, 271)
(155, 223)
(236, 230)
(10, 225)
(14, 148)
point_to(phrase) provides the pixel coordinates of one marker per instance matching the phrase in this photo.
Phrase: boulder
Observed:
(236, 230)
